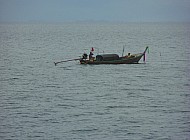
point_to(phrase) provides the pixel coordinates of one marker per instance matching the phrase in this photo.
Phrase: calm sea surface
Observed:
(39, 101)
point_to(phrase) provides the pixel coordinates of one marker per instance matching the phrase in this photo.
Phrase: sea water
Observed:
(39, 100)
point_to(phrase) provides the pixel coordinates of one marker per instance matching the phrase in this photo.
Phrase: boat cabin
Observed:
(107, 57)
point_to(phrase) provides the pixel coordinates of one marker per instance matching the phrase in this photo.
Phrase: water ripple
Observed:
(73, 101)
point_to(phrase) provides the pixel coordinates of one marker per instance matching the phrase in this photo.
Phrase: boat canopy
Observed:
(107, 57)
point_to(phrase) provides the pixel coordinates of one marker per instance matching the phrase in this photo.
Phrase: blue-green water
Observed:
(107, 102)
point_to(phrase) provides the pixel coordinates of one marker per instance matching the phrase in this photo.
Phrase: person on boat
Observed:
(91, 55)
(128, 55)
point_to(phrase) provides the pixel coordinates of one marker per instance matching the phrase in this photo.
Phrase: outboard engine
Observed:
(84, 56)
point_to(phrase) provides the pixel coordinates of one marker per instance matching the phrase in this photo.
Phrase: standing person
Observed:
(90, 55)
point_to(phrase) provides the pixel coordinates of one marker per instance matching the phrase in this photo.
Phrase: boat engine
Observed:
(84, 56)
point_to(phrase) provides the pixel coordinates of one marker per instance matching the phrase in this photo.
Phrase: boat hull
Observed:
(134, 59)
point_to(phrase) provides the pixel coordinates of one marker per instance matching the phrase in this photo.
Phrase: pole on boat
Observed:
(123, 50)
(66, 61)
(145, 53)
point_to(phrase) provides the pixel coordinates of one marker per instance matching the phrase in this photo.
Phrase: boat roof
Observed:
(107, 57)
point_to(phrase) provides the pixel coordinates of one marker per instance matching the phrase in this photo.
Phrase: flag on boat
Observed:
(92, 49)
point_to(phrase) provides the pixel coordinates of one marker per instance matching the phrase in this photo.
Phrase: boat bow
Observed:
(144, 54)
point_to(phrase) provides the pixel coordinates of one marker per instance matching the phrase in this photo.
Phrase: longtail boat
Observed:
(113, 58)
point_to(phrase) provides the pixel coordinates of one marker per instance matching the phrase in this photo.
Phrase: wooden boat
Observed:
(114, 59)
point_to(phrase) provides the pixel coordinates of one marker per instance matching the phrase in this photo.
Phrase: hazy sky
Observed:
(95, 10)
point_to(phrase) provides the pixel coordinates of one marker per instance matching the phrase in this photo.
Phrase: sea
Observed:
(70, 101)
